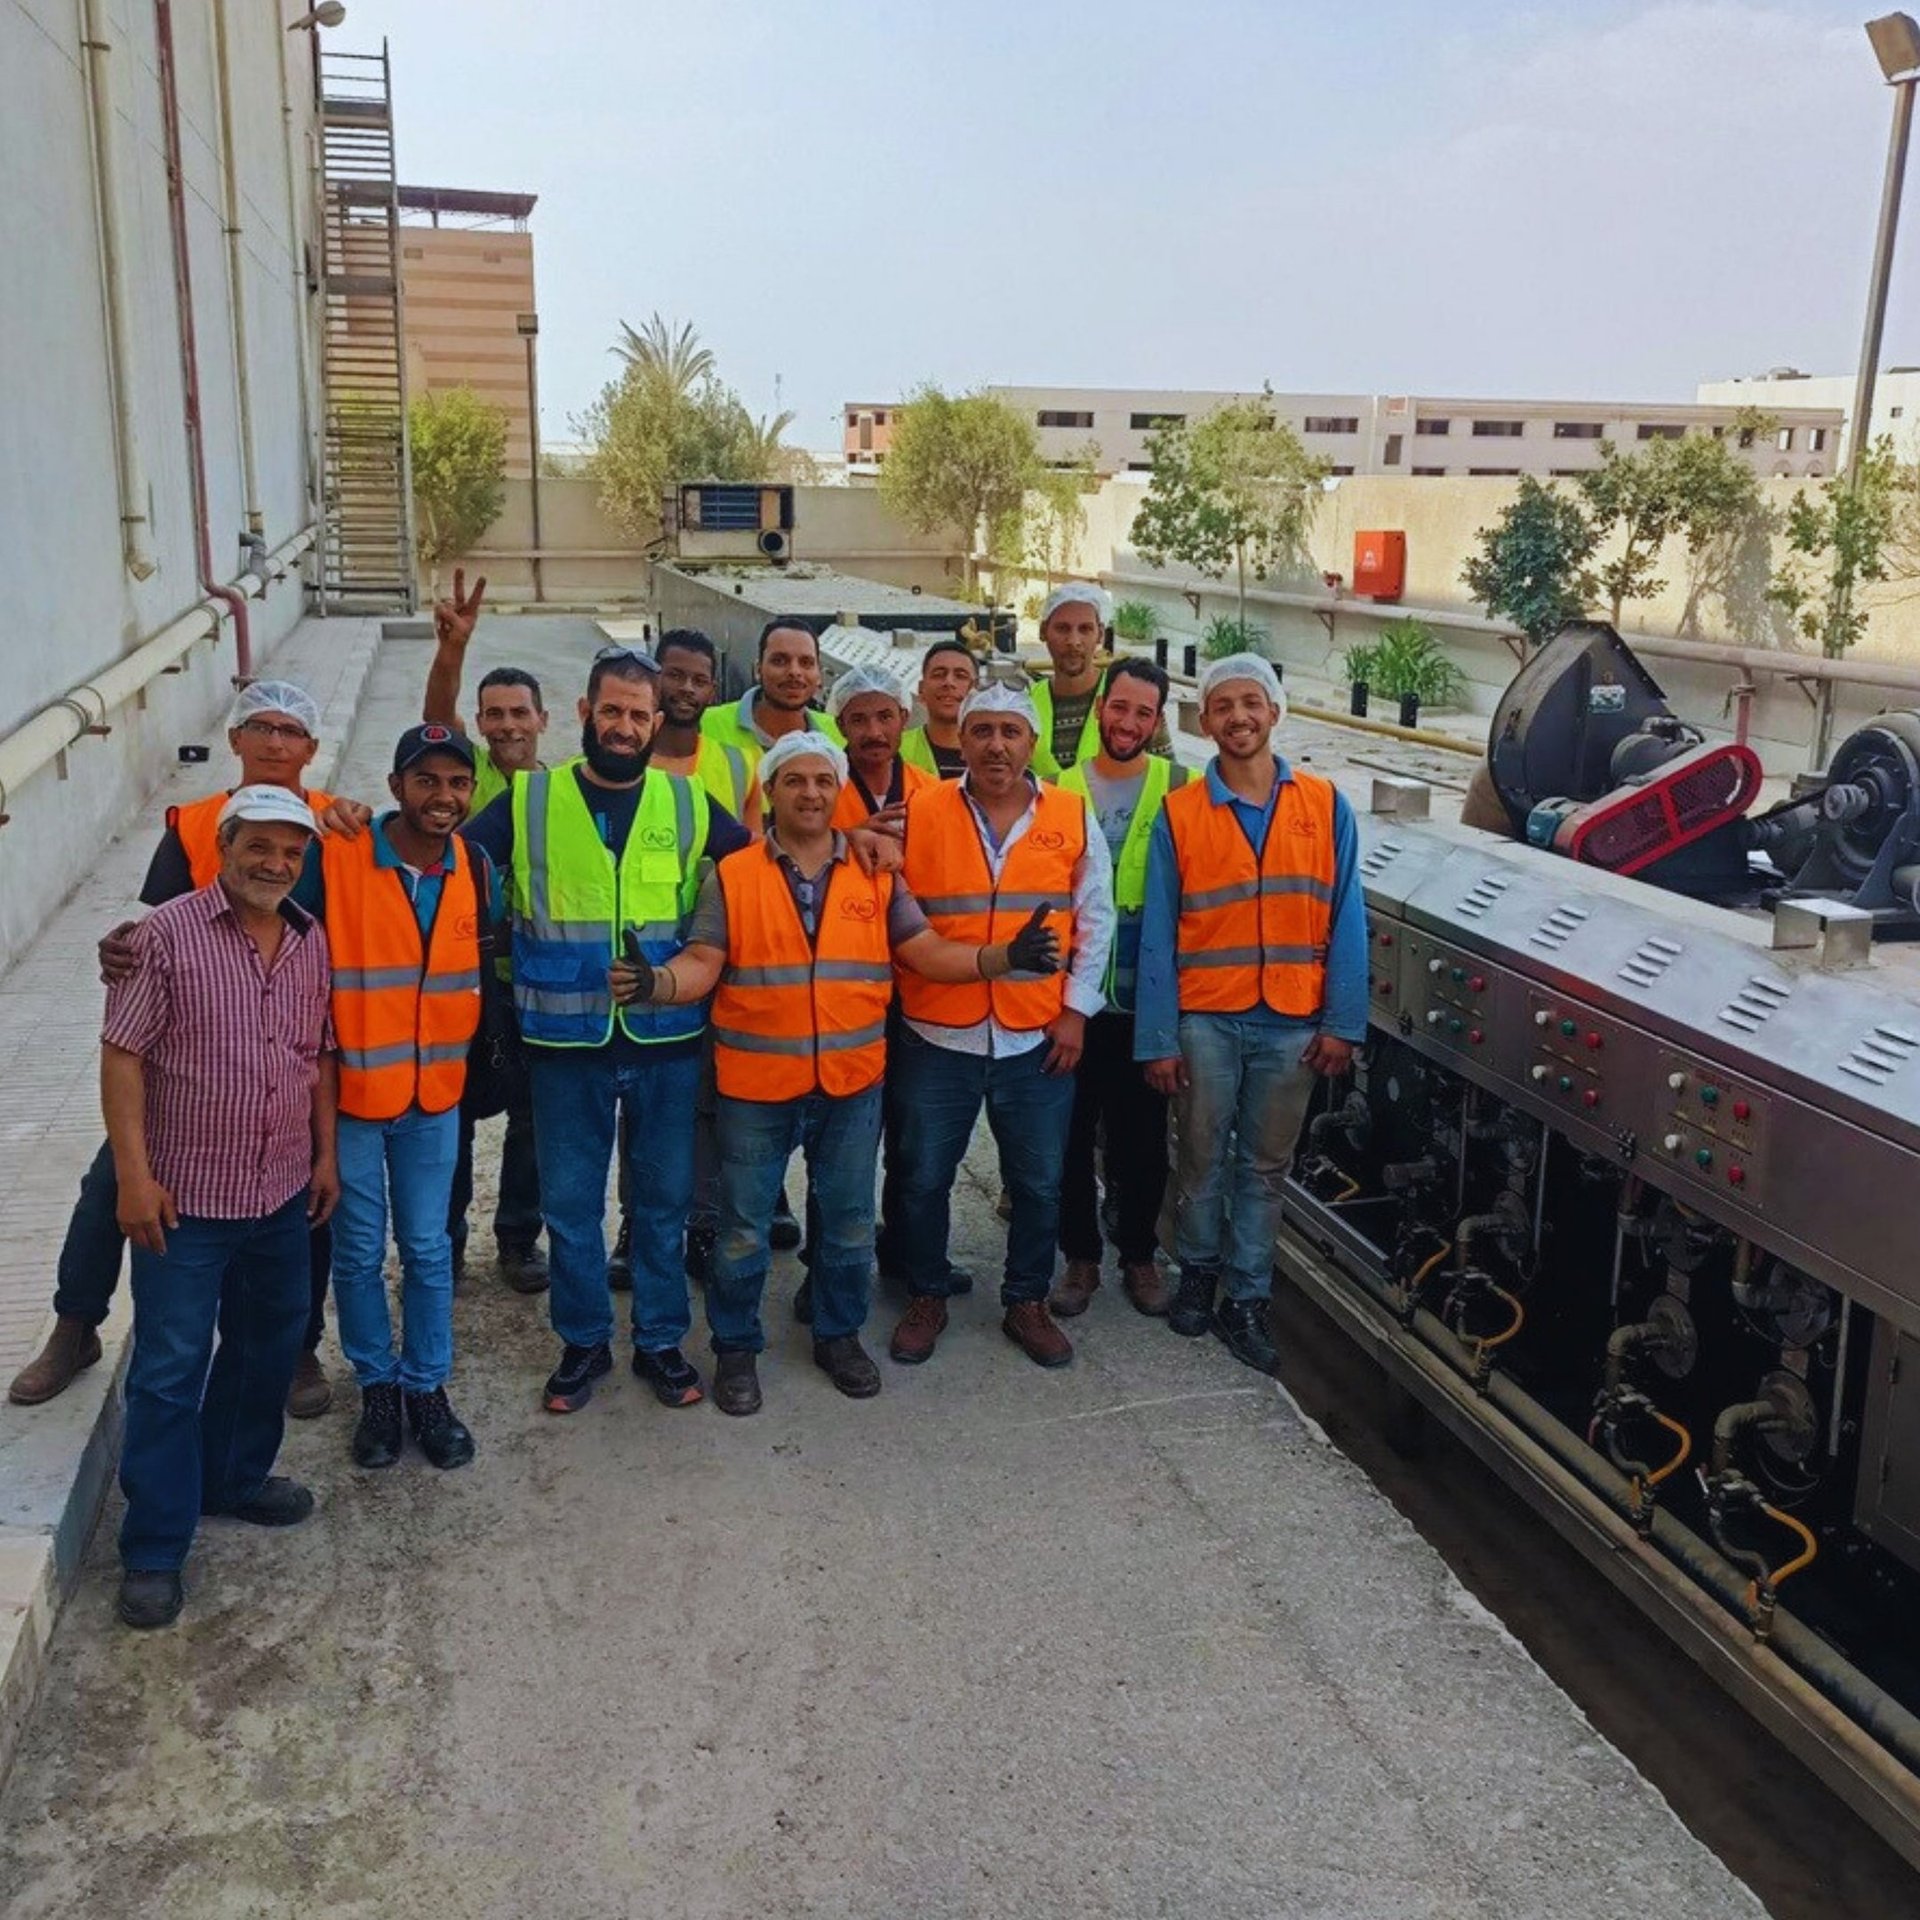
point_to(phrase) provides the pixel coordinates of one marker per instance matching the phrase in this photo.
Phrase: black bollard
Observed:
(1409, 709)
(1190, 656)
(1160, 651)
(1357, 701)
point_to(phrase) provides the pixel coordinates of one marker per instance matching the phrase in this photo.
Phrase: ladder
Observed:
(366, 554)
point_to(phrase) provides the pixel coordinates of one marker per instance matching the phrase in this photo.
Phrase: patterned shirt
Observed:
(231, 1049)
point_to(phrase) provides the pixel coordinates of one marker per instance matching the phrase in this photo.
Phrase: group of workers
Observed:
(722, 934)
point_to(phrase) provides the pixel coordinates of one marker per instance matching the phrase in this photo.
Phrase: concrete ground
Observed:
(1130, 1639)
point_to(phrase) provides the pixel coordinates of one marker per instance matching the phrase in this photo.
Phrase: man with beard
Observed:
(982, 853)
(600, 850)
(1253, 979)
(786, 684)
(948, 672)
(689, 680)
(1126, 786)
(511, 717)
(1073, 627)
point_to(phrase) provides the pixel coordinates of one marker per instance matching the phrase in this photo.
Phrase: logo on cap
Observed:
(435, 735)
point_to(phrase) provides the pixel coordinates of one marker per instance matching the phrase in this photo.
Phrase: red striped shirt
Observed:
(231, 1049)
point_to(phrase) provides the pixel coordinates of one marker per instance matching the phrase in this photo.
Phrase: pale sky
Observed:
(1606, 200)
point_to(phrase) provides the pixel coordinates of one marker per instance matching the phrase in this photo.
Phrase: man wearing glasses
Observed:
(600, 853)
(274, 733)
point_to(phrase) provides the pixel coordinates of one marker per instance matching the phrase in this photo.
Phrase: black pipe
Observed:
(1190, 660)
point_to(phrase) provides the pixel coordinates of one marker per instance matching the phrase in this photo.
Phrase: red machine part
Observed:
(1633, 826)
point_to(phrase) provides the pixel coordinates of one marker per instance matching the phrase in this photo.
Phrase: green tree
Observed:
(959, 462)
(1532, 565)
(1839, 538)
(662, 351)
(1038, 542)
(459, 444)
(1695, 487)
(1234, 488)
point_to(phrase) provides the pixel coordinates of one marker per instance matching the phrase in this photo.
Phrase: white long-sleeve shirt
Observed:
(1093, 925)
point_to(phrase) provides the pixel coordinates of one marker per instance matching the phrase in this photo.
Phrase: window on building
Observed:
(1493, 473)
(1429, 473)
(1433, 426)
(1331, 423)
(853, 419)
(1391, 457)
(1576, 429)
(1894, 413)
(1658, 430)
(880, 418)
(1139, 466)
(1054, 417)
(1497, 429)
(1341, 472)
(1817, 440)
(1145, 422)
(1783, 441)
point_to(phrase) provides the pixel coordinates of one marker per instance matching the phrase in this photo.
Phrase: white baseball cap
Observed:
(268, 803)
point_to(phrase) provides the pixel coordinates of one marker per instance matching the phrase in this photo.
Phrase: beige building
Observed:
(466, 281)
(1391, 433)
(1896, 401)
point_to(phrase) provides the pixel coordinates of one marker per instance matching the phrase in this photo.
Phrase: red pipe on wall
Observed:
(234, 600)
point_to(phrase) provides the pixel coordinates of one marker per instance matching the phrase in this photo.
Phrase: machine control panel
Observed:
(1570, 1051)
(1449, 996)
(1711, 1127)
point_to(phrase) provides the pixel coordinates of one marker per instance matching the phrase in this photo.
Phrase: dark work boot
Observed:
(736, 1383)
(1242, 1325)
(1192, 1310)
(150, 1599)
(620, 1260)
(523, 1266)
(376, 1440)
(442, 1436)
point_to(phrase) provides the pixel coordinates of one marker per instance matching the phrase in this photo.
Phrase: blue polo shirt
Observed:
(1343, 1013)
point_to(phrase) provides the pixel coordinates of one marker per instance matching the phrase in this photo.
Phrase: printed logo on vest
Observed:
(1047, 840)
(853, 908)
(467, 927)
(659, 839)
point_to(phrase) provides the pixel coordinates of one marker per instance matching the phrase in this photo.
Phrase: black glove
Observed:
(1036, 947)
(630, 953)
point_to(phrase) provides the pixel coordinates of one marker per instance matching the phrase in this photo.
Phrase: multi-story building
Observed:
(466, 279)
(1896, 401)
(869, 433)
(1393, 433)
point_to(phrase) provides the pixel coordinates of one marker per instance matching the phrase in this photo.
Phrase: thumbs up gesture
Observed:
(1035, 948)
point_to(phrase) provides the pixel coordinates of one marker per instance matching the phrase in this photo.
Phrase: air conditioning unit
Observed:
(711, 520)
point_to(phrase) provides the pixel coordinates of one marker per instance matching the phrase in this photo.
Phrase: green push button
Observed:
(1704, 1158)
(1709, 1096)
(1565, 1083)
(1569, 1028)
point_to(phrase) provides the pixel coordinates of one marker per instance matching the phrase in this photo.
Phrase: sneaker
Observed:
(701, 1241)
(279, 1502)
(736, 1383)
(442, 1435)
(1242, 1326)
(312, 1392)
(848, 1365)
(150, 1599)
(71, 1348)
(620, 1260)
(1192, 1309)
(1078, 1285)
(919, 1331)
(674, 1381)
(570, 1386)
(1146, 1286)
(784, 1234)
(1031, 1328)
(523, 1266)
(376, 1440)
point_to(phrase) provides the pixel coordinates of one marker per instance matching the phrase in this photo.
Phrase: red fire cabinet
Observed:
(1380, 565)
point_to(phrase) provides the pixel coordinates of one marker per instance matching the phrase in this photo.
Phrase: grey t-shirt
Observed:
(709, 924)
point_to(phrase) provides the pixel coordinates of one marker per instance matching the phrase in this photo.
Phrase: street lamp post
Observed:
(1896, 45)
(529, 328)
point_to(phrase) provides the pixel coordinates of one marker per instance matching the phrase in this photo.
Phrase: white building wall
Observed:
(1896, 401)
(69, 605)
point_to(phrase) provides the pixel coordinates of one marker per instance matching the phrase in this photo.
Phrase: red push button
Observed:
(1736, 1176)
(1475, 1035)
(1591, 1097)
(1594, 1043)
(1478, 984)
(1742, 1110)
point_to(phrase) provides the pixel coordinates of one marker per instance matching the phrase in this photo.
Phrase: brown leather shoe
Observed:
(1078, 1285)
(920, 1328)
(72, 1347)
(1146, 1286)
(1030, 1327)
(312, 1392)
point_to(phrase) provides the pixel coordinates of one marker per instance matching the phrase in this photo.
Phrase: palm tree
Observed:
(659, 351)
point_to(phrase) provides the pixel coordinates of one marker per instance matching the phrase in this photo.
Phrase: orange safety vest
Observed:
(403, 1019)
(850, 810)
(1254, 930)
(793, 1017)
(198, 825)
(946, 871)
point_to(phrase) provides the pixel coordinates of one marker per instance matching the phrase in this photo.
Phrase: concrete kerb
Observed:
(56, 1461)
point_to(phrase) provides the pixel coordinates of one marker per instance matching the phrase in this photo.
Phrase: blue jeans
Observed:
(200, 1440)
(413, 1158)
(940, 1093)
(579, 1095)
(1238, 1122)
(841, 1139)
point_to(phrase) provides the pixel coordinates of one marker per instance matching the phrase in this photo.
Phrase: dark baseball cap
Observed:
(417, 742)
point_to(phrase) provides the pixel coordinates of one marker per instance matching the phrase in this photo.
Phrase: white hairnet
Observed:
(858, 680)
(1078, 593)
(1244, 666)
(997, 697)
(277, 696)
(797, 746)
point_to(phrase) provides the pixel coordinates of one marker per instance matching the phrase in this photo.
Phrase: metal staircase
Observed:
(366, 555)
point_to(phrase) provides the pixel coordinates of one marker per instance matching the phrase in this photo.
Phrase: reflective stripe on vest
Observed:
(1045, 766)
(1254, 931)
(570, 903)
(851, 810)
(796, 1016)
(946, 871)
(1129, 873)
(404, 1018)
(726, 771)
(723, 724)
(198, 826)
